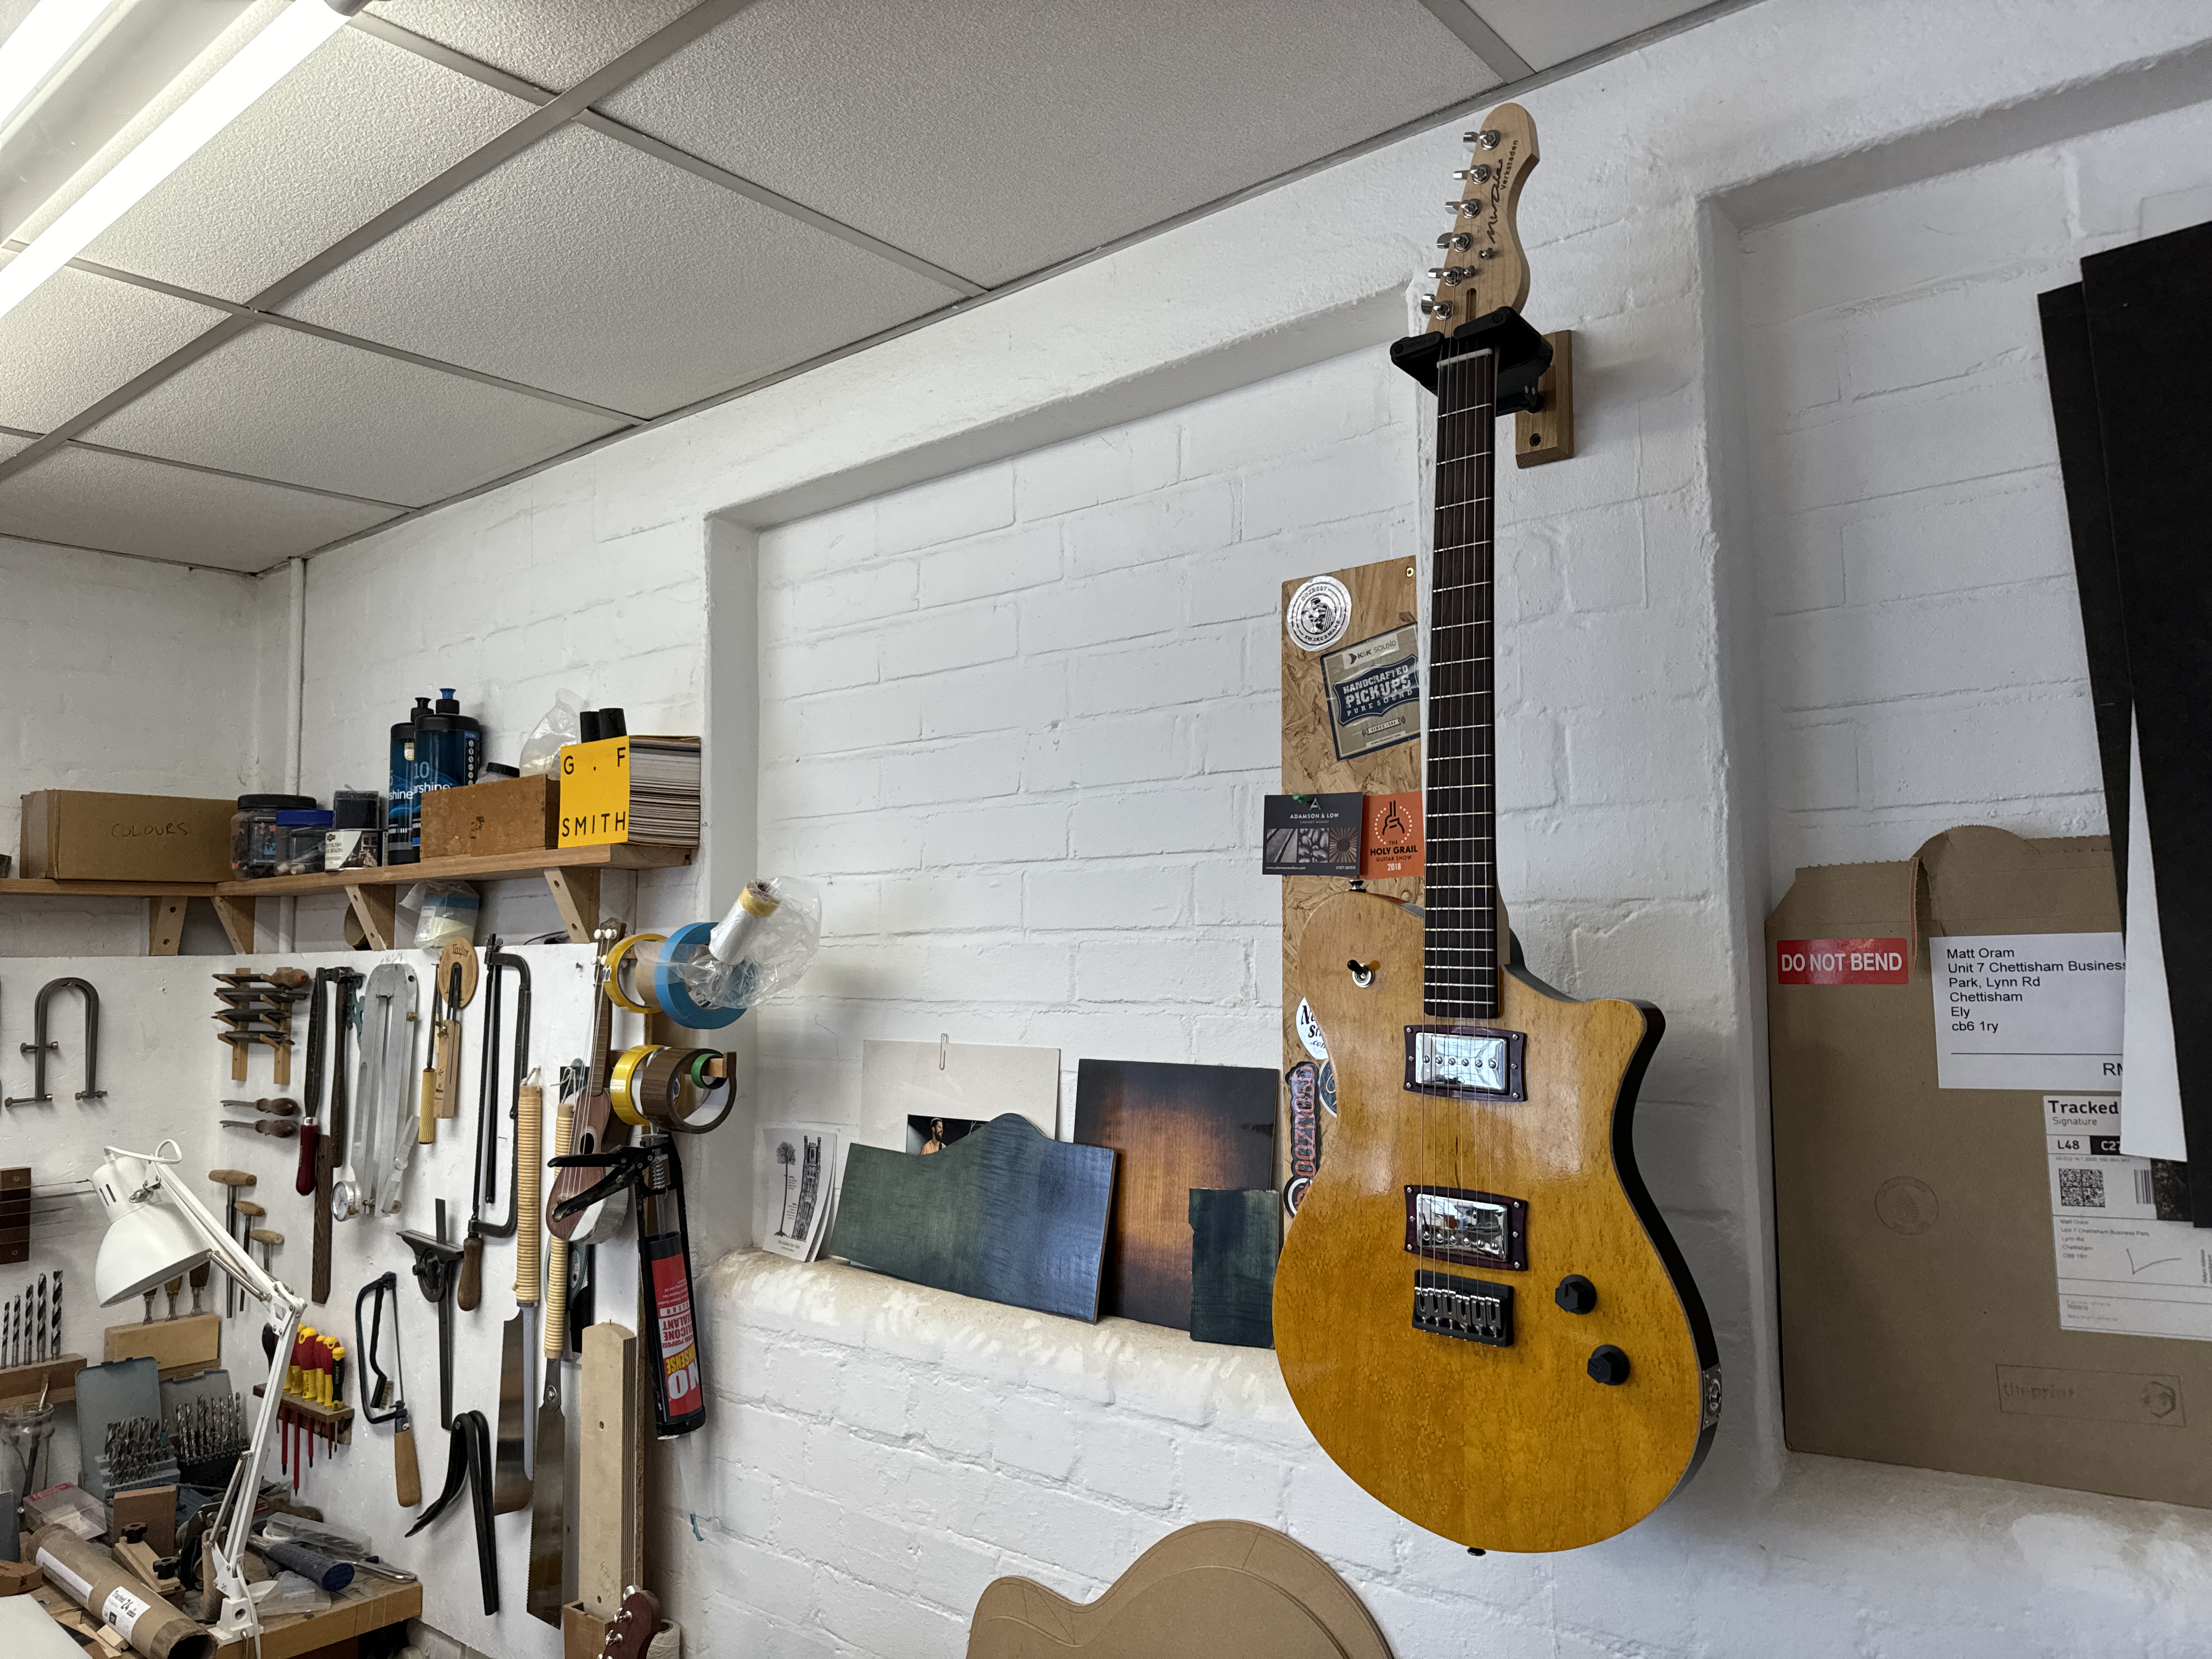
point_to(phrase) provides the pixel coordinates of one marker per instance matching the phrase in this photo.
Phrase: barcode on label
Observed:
(2082, 1190)
(2142, 1185)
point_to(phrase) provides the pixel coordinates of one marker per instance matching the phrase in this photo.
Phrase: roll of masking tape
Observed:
(622, 1083)
(669, 993)
(633, 946)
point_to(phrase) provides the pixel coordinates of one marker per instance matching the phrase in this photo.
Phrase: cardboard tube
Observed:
(91, 1577)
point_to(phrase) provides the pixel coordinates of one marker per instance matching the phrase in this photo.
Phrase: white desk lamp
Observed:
(157, 1229)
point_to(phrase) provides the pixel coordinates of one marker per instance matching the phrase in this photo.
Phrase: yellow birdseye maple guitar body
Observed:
(1505, 1448)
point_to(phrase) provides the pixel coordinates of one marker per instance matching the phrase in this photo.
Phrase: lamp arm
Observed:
(233, 1523)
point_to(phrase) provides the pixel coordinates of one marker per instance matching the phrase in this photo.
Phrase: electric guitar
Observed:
(1479, 1312)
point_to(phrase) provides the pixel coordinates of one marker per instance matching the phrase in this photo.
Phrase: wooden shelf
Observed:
(571, 873)
(462, 869)
(43, 884)
(56, 1378)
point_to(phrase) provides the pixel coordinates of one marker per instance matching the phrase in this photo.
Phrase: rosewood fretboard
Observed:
(1459, 951)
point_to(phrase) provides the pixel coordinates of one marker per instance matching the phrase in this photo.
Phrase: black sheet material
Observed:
(2150, 346)
(2096, 571)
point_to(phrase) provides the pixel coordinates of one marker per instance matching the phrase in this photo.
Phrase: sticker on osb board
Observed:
(1390, 843)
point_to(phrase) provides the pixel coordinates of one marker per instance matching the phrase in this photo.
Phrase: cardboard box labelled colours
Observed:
(501, 815)
(79, 835)
(1920, 1300)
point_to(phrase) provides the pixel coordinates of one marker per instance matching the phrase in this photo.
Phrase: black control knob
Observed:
(1608, 1365)
(1575, 1294)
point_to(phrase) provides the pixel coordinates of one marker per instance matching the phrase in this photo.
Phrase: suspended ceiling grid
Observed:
(465, 239)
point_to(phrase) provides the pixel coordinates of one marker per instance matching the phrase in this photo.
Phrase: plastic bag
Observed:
(438, 911)
(561, 725)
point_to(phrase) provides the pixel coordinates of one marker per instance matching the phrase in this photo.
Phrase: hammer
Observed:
(230, 1180)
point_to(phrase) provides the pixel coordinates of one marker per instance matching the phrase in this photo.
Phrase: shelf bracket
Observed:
(236, 916)
(373, 909)
(165, 925)
(575, 890)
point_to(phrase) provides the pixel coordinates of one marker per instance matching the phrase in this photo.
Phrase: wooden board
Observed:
(1384, 595)
(1005, 1214)
(607, 1520)
(182, 1346)
(1173, 1127)
(1234, 1237)
(1220, 1589)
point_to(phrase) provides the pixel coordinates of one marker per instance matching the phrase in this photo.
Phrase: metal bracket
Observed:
(40, 1045)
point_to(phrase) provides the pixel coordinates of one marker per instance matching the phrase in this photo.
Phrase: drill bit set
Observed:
(206, 1435)
(31, 1325)
(137, 1453)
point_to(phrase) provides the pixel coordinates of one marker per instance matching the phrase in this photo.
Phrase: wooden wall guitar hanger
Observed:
(1479, 1312)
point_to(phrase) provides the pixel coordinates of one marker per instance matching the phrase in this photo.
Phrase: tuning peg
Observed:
(1455, 241)
(1467, 210)
(1480, 173)
(1488, 138)
(1450, 276)
(1435, 307)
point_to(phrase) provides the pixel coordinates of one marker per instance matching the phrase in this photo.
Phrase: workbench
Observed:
(367, 1604)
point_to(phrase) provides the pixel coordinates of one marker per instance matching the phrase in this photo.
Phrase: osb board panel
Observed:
(1384, 595)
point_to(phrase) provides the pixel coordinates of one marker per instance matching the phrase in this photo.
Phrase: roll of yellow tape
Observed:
(622, 1084)
(616, 959)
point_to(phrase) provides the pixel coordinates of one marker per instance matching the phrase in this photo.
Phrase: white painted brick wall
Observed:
(1923, 651)
(118, 675)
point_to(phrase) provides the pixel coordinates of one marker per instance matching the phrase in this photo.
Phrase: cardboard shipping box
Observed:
(76, 835)
(1920, 1301)
(499, 815)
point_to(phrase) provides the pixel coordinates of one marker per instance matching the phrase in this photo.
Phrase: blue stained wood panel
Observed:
(1005, 1214)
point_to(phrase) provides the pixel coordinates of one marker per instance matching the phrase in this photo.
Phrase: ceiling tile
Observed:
(551, 43)
(585, 267)
(1548, 32)
(285, 406)
(337, 141)
(79, 336)
(129, 506)
(997, 137)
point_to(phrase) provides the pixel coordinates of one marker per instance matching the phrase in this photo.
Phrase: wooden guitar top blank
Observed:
(1220, 1589)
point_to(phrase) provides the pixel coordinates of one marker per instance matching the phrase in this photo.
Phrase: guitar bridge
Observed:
(1472, 1310)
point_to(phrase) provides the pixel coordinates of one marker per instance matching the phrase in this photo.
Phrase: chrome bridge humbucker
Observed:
(1465, 1062)
(1472, 1310)
(1478, 1229)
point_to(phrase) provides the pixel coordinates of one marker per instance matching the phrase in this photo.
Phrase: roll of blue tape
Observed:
(670, 991)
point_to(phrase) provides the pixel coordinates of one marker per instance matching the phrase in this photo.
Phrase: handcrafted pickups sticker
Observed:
(2129, 1261)
(1843, 962)
(2028, 1011)
(1374, 692)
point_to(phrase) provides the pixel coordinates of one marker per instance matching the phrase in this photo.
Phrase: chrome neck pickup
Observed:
(1470, 1309)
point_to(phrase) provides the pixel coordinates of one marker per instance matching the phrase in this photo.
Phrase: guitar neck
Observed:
(603, 1035)
(1460, 955)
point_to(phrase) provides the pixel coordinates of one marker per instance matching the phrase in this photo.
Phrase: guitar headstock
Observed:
(1480, 266)
(633, 1626)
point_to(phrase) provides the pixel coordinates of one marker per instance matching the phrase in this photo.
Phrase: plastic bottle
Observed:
(460, 756)
(400, 829)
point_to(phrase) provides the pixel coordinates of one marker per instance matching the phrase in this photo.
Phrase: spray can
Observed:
(663, 1264)
(401, 832)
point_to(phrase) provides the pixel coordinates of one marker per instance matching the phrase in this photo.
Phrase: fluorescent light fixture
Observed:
(40, 42)
(290, 36)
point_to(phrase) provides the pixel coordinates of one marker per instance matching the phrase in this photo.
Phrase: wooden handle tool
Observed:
(529, 1166)
(556, 1334)
(426, 1128)
(406, 1477)
(469, 1291)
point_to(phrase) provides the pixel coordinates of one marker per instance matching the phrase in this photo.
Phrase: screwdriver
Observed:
(280, 1127)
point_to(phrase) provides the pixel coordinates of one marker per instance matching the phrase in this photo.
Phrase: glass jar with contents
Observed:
(257, 845)
(303, 830)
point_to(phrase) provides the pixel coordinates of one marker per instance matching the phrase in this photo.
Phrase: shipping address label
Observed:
(2028, 1011)
(2127, 1263)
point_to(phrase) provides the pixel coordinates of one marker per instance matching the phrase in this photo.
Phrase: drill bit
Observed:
(55, 1335)
(40, 1336)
